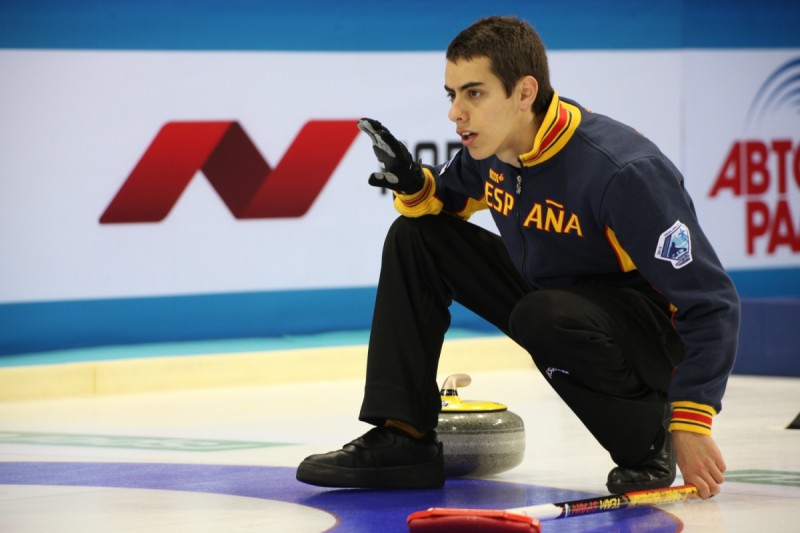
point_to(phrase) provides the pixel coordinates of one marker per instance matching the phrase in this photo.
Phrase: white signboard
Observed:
(743, 153)
(77, 124)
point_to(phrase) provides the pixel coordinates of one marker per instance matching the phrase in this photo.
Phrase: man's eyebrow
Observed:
(468, 85)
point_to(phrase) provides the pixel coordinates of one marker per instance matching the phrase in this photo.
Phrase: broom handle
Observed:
(551, 511)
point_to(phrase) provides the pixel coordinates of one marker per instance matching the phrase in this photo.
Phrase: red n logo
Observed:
(235, 168)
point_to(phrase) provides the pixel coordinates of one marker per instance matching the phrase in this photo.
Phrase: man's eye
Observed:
(474, 94)
(450, 96)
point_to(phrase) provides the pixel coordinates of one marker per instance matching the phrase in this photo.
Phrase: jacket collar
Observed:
(560, 122)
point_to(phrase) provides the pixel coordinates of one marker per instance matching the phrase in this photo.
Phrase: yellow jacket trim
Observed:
(560, 122)
(692, 417)
(625, 261)
(420, 203)
(473, 206)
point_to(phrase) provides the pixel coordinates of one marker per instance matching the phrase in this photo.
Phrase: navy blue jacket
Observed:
(595, 201)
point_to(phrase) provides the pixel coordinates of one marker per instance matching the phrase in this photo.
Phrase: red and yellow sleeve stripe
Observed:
(691, 416)
(420, 203)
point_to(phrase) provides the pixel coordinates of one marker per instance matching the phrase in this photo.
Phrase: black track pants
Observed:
(608, 352)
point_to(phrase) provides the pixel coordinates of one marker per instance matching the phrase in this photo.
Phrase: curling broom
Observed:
(526, 519)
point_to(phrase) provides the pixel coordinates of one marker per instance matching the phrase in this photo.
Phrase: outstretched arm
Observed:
(400, 173)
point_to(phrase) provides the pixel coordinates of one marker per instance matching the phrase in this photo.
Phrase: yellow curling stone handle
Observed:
(451, 403)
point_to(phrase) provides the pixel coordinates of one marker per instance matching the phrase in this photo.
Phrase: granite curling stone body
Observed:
(479, 438)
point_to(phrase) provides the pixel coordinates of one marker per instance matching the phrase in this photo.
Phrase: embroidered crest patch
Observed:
(675, 245)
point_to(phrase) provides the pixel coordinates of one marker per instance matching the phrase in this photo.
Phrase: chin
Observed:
(478, 154)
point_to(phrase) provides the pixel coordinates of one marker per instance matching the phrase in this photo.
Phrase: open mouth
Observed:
(467, 136)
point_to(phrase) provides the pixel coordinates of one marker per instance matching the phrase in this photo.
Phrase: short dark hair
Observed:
(514, 50)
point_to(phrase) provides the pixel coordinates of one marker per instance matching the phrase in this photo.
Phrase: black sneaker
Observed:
(658, 472)
(382, 458)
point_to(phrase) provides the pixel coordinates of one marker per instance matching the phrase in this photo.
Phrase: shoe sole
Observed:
(430, 475)
(622, 488)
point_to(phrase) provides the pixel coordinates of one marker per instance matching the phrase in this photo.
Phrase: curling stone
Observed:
(479, 437)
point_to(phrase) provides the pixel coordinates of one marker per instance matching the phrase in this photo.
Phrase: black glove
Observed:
(400, 172)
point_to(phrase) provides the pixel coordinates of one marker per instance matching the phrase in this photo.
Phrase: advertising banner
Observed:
(743, 153)
(168, 173)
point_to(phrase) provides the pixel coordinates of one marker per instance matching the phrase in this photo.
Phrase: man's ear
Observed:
(528, 89)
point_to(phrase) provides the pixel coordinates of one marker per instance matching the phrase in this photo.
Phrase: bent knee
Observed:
(546, 317)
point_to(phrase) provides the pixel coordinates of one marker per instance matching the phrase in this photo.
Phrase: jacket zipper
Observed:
(519, 224)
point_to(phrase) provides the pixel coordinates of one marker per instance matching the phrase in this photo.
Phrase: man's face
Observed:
(488, 121)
